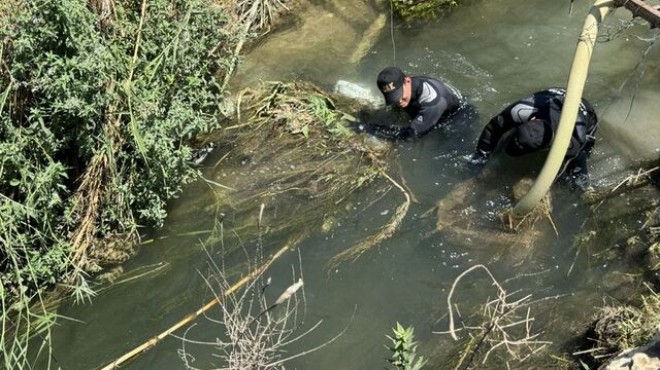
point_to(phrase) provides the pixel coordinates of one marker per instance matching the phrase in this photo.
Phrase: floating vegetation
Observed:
(292, 151)
(622, 327)
(542, 210)
(626, 203)
(422, 9)
(504, 325)
(385, 232)
(629, 203)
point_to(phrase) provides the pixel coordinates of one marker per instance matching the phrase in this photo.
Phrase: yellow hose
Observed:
(576, 80)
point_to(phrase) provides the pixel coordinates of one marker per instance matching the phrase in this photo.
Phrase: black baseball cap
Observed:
(390, 83)
(529, 137)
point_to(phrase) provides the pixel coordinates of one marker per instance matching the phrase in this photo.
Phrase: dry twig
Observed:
(503, 328)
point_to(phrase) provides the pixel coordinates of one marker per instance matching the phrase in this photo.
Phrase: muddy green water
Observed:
(494, 51)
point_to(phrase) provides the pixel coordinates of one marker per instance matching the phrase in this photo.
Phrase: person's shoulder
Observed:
(416, 80)
(428, 79)
(544, 97)
(435, 83)
(551, 92)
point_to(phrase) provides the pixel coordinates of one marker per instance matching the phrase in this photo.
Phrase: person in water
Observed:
(427, 102)
(531, 124)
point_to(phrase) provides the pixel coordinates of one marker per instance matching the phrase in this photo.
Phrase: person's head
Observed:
(529, 137)
(395, 86)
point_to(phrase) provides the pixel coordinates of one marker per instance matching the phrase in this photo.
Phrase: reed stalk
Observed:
(194, 315)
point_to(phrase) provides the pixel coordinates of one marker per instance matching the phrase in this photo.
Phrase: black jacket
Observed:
(430, 101)
(545, 105)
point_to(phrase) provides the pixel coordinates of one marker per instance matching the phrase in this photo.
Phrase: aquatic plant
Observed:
(291, 149)
(315, 156)
(422, 9)
(617, 328)
(261, 14)
(254, 329)
(404, 349)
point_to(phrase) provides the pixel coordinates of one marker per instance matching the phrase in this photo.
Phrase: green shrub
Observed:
(98, 115)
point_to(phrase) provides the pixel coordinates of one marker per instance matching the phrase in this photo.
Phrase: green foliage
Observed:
(124, 92)
(422, 9)
(76, 86)
(620, 328)
(323, 109)
(404, 348)
(300, 108)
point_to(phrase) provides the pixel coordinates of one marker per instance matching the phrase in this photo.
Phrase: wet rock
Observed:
(642, 358)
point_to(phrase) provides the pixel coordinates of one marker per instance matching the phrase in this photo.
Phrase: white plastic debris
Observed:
(357, 92)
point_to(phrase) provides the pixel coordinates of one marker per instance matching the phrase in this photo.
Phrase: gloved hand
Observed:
(478, 158)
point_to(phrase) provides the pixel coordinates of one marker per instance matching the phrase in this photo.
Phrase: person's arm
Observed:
(578, 140)
(495, 129)
(575, 173)
(378, 124)
(392, 133)
(427, 117)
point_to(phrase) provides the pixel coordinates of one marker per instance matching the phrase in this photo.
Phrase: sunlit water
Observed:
(494, 52)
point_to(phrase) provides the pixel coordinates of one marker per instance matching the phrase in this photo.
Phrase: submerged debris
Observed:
(461, 224)
(623, 334)
(289, 148)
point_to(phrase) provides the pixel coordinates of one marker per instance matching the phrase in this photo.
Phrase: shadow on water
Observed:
(494, 52)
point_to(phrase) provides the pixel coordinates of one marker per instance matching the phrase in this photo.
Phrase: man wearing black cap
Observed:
(532, 123)
(426, 100)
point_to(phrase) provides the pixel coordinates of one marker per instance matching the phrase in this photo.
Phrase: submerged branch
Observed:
(385, 232)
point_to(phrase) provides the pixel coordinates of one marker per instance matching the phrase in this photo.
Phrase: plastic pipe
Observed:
(576, 80)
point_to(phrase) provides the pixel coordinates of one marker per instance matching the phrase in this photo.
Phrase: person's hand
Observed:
(478, 158)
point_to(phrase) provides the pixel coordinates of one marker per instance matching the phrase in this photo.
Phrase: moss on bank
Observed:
(422, 9)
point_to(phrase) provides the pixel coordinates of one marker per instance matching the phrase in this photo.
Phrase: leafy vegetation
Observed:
(101, 103)
(622, 327)
(422, 9)
(404, 348)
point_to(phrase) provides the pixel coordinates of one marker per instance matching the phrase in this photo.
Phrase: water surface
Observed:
(494, 51)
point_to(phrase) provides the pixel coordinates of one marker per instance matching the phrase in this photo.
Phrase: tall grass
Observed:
(101, 105)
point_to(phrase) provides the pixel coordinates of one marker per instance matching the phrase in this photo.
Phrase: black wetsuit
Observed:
(431, 102)
(546, 105)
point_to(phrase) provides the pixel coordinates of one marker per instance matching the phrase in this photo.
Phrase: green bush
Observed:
(98, 113)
